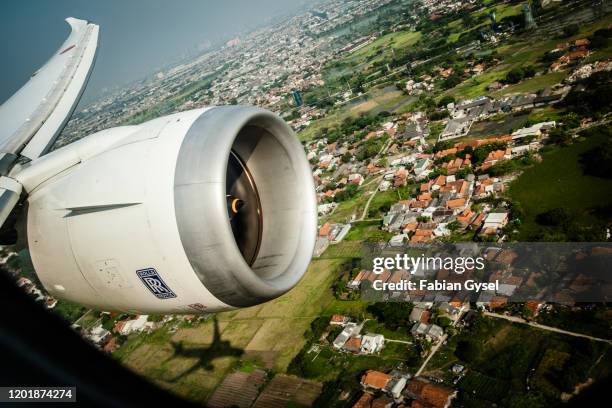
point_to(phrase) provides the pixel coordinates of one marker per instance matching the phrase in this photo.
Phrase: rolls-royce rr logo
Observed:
(155, 283)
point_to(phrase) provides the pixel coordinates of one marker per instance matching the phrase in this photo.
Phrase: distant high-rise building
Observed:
(297, 98)
(529, 21)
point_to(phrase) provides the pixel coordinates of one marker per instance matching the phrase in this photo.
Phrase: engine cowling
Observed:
(204, 210)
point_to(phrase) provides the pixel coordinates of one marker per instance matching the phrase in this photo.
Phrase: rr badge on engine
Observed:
(155, 283)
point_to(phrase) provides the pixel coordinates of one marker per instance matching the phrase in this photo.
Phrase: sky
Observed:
(137, 37)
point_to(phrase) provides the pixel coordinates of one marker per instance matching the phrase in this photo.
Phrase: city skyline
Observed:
(131, 46)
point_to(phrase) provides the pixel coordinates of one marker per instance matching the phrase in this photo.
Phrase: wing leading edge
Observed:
(34, 116)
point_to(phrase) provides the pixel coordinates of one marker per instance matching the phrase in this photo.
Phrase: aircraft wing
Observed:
(33, 117)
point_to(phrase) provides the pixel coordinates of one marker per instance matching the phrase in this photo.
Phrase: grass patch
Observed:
(382, 46)
(533, 85)
(508, 363)
(559, 181)
(367, 231)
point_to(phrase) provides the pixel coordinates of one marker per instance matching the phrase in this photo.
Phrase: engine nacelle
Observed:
(204, 210)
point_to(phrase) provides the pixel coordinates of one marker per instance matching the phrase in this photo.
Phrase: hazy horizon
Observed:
(136, 38)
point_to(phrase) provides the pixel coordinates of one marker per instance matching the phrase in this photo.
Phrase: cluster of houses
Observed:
(333, 173)
(446, 198)
(351, 340)
(572, 52)
(396, 389)
(466, 113)
(586, 70)
(106, 340)
(441, 202)
(31, 289)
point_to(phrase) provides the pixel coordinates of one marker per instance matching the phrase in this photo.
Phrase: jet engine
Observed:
(205, 210)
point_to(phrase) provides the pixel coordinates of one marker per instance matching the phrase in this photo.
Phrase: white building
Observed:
(372, 343)
(495, 220)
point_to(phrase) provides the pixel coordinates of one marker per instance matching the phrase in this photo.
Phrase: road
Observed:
(431, 353)
(367, 206)
(398, 341)
(382, 151)
(516, 319)
(437, 346)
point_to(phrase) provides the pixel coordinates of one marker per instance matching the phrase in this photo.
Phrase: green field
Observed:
(559, 182)
(268, 336)
(382, 46)
(532, 85)
(367, 231)
(501, 11)
(508, 364)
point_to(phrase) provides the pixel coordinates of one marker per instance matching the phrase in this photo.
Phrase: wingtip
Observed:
(76, 23)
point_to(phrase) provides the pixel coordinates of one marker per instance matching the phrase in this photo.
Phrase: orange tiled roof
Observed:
(375, 379)
(364, 401)
(456, 203)
(324, 230)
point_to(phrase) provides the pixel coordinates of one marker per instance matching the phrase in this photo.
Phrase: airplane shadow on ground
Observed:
(205, 355)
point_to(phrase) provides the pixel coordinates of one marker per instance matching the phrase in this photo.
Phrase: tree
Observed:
(559, 136)
(445, 100)
(529, 71)
(598, 161)
(452, 81)
(439, 115)
(515, 75)
(467, 350)
(570, 30)
(553, 218)
(392, 314)
(454, 226)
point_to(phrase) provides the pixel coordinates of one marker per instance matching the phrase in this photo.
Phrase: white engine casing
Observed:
(152, 197)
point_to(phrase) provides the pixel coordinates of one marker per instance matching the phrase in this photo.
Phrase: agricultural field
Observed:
(266, 336)
(383, 46)
(532, 85)
(375, 100)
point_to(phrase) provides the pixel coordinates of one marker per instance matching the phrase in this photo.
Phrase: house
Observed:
(456, 128)
(372, 343)
(534, 306)
(365, 401)
(495, 221)
(396, 386)
(110, 345)
(431, 332)
(375, 380)
(339, 320)
(356, 179)
(450, 311)
(353, 345)
(356, 281)
(382, 402)
(350, 330)
(417, 314)
(324, 230)
(126, 327)
(420, 166)
(425, 394)
(457, 204)
(99, 335)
